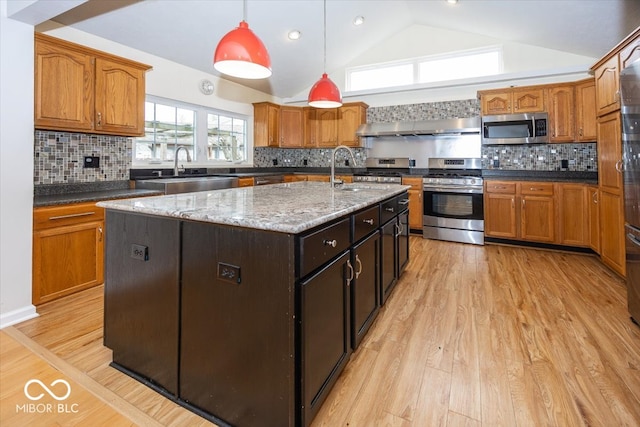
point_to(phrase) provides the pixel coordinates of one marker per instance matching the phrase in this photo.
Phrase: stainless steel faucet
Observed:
(176, 171)
(333, 162)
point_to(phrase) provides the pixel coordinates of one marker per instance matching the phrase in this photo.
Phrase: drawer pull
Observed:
(333, 243)
(52, 218)
(359, 266)
(368, 221)
(389, 209)
(403, 202)
(536, 189)
(350, 278)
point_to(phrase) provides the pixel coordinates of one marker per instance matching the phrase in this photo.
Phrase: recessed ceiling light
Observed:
(294, 35)
(452, 1)
(358, 20)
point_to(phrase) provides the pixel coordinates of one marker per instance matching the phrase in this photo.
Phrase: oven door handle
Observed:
(454, 189)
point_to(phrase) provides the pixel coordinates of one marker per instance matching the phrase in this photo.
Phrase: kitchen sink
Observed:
(187, 185)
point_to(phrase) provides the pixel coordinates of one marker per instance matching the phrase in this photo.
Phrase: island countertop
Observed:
(288, 208)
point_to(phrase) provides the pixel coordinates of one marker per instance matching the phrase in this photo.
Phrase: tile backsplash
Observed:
(59, 157)
(541, 157)
(426, 111)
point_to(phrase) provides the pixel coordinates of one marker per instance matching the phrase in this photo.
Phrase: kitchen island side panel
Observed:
(141, 295)
(237, 336)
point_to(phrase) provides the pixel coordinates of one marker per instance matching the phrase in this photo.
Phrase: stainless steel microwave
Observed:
(525, 128)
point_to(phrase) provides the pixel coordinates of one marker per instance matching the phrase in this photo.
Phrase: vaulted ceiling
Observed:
(187, 31)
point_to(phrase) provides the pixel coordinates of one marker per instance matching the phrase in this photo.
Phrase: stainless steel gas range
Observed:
(387, 170)
(453, 200)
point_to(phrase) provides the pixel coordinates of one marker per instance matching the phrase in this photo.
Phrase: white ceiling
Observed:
(187, 31)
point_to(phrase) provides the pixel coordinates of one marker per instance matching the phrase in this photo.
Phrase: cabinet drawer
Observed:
(56, 216)
(536, 188)
(392, 207)
(365, 222)
(320, 246)
(500, 187)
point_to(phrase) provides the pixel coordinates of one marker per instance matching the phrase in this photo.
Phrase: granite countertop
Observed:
(288, 208)
(63, 194)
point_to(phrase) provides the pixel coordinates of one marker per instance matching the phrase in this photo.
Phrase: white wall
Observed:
(16, 168)
(523, 65)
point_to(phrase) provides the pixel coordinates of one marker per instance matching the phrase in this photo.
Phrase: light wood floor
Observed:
(472, 336)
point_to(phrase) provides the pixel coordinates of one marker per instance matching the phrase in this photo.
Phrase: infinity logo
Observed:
(51, 393)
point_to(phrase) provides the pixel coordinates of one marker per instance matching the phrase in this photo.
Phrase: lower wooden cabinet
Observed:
(245, 182)
(545, 212)
(612, 241)
(68, 248)
(594, 218)
(415, 202)
(574, 215)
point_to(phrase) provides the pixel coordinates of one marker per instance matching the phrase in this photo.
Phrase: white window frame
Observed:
(200, 136)
(416, 62)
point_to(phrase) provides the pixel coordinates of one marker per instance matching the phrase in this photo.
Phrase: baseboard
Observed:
(17, 316)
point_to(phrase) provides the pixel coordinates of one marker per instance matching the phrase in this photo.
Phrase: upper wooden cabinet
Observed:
(350, 117)
(585, 92)
(561, 105)
(291, 119)
(81, 89)
(330, 127)
(607, 78)
(266, 124)
(512, 100)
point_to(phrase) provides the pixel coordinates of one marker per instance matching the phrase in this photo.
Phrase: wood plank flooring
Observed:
(472, 336)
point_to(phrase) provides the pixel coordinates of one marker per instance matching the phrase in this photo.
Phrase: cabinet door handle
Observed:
(399, 229)
(368, 221)
(99, 119)
(513, 203)
(594, 197)
(359, 266)
(333, 243)
(100, 234)
(52, 218)
(619, 165)
(350, 278)
(522, 203)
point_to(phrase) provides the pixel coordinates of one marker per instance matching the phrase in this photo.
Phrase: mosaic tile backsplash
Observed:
(59, 157)
(581, 157)
(303, 157)
(426, 111)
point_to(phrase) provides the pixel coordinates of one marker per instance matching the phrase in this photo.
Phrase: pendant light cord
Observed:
(325, 37)
(244, 10)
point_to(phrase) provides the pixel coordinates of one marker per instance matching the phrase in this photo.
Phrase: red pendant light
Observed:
(240, 53)
(325, 93)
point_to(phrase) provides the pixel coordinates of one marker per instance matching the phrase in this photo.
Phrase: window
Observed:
(431, 69)
(222, 137)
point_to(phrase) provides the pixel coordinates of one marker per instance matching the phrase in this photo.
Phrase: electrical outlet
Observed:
(140, 252)
(228, 272)
(91, 161)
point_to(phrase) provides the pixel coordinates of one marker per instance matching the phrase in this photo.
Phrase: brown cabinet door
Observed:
(607, 86)
(291, 127)
(500, 215)
(537, 218)
(64, 84)
(266, 124)
(586, 117)
(415, 209)
(594, 219)
(327, 120)
(528, 100)
(610, 153)
(310, 127)
(574, 214)
(612, 251)
(66, 260)
(630, 53)
(119, 102)
(350, 118)
(496, 103)
(561, 103)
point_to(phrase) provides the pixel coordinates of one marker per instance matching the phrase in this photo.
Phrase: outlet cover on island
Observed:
(91, 162)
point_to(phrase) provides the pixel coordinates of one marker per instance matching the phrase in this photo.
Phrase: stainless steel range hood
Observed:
(442, 127)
